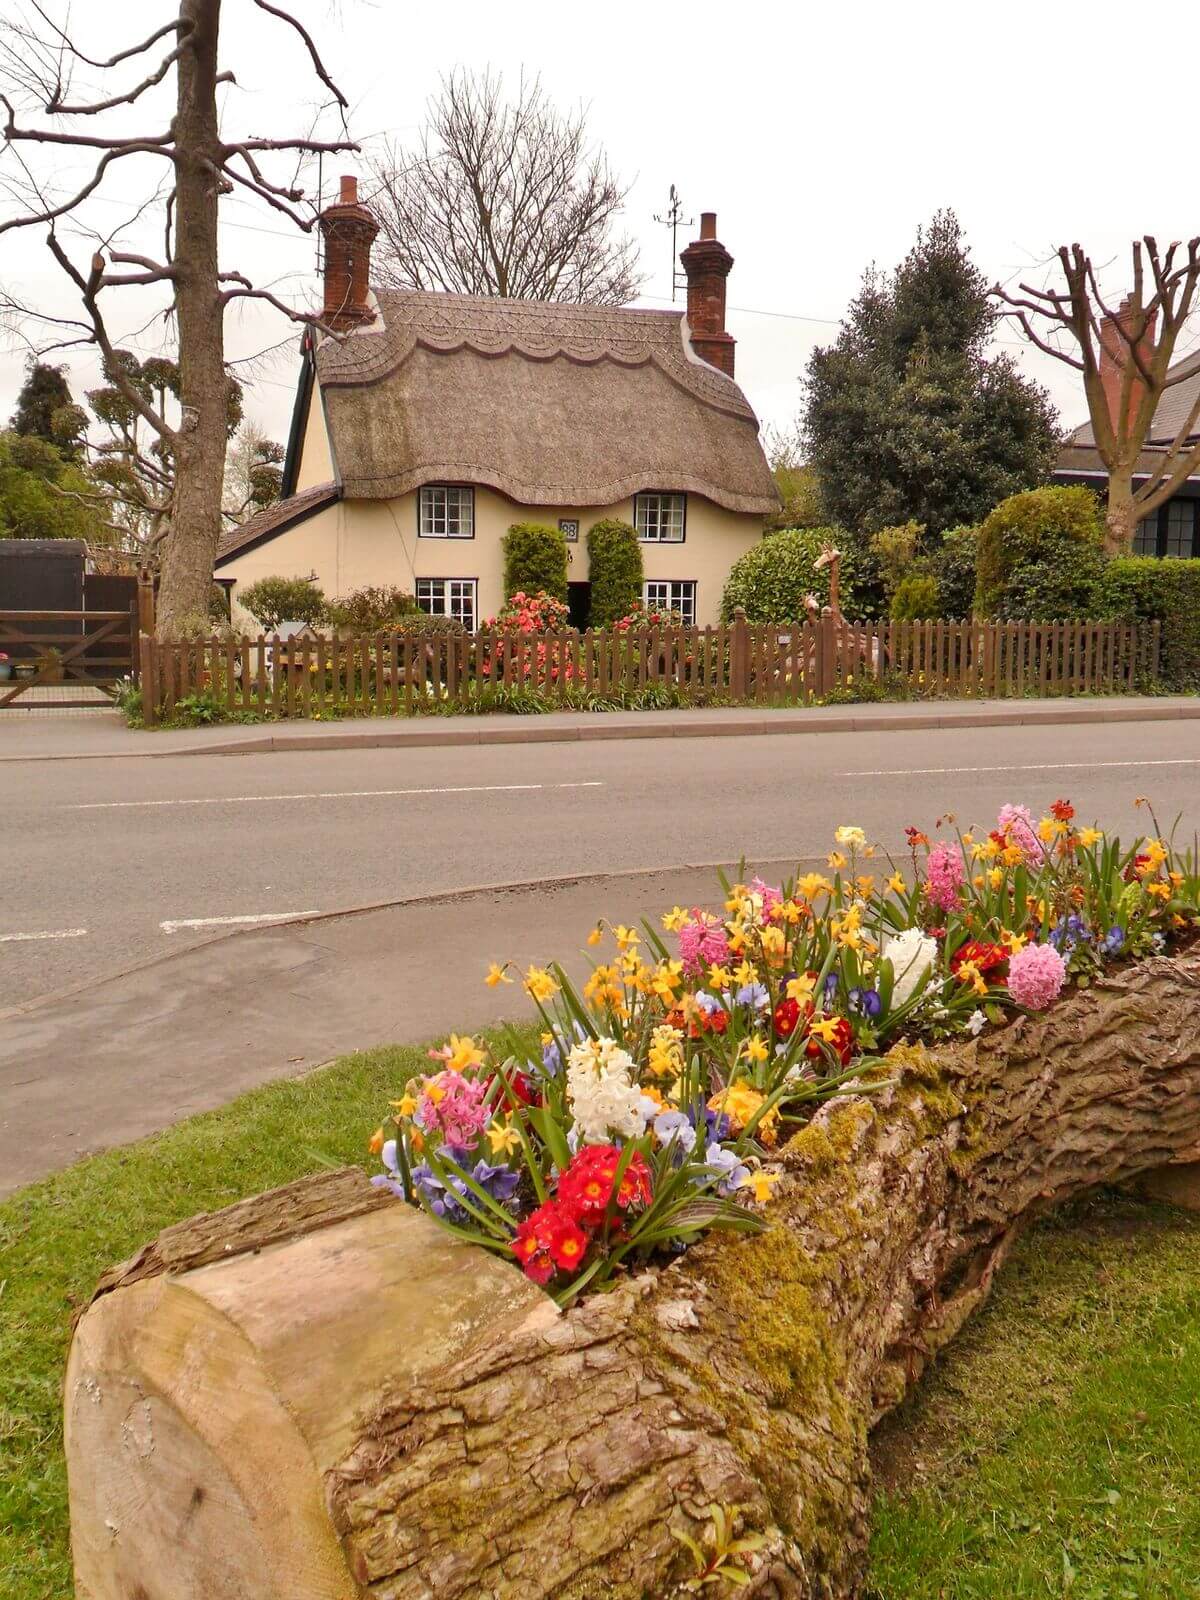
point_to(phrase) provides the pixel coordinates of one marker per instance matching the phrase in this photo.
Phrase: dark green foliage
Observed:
(916, 597)
(535, 558)
(615, 570)
(771, 580)
(46, 410)
(908, 417)
(373, 609)
(1039, 555)
(276, 600)
(1146, 587)
(218, 603)
(800, 490)
(953, 565)
(896, 553)
(420, 622)
(44, 497)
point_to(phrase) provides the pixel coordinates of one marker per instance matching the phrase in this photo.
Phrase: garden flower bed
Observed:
(873, 1075)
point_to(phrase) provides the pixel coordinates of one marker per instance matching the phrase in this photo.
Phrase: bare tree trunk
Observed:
(1118, 515)
(191, 546)
(532, 1455)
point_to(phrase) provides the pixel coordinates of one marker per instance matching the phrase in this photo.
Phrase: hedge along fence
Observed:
(391, 673)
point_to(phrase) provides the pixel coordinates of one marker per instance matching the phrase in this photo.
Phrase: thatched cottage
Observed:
(432, 422)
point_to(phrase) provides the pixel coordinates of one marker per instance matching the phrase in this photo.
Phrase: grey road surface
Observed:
(108, 863)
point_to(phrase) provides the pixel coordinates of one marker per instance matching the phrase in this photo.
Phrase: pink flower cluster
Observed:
(771, 897)
(702, 942)
(1036, 974)
(452, 1105)
(1016, 822)
(944, 876)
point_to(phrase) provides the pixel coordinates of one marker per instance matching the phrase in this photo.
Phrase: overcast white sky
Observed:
(821, 136)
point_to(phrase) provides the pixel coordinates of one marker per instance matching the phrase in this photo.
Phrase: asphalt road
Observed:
(107, 863)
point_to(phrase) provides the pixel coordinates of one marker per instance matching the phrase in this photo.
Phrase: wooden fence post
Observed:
(739, 656)
(145, 601)
(148, 678)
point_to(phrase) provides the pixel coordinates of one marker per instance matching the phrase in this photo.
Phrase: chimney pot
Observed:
(706, 263)
(349, 191)
(349, 230)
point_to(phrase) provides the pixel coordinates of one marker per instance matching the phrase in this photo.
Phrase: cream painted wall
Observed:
(360, 542)
(316, 454)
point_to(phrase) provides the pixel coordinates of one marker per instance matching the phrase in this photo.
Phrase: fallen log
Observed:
(368, 1408)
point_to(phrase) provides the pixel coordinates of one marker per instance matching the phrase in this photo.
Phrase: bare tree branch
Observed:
(313, 53)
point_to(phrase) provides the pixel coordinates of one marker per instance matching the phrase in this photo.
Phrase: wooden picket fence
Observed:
(337, 675)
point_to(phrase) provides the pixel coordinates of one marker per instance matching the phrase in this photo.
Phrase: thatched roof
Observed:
(549, 404)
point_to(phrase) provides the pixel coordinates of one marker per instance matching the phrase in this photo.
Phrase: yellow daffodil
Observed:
(896, 883)
(745, 973)
(740, 1103)
(1089, 836)
(675, 919)
(1013, 941)
(865, 884)
(825, 1028)
(375, 1142)
(800, 988)
(774, 944)
(496, 974)
(668, 976)
(1159, 891)
(503, 1138)
(760, 1185)
(539, 985)
(1012, 855)
(719, 977)
(595, 936)
(968, 972)
(406, 1105)
(995, 877)
(665, 1056)
(837, 860)
(789, 912)
(968, 838)
(813, 884)
(463, 1053)
(1050, 829)
(626, 937)
(756, 1049)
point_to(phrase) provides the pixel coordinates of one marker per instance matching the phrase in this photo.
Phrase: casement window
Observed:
(446, 511)
(449, 597)
(662, 594)
(660, 518)
(1172, 530)
(1145, 537)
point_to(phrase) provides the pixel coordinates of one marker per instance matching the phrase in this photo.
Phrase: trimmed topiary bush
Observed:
(1149, 587)
(276, 600)
(615, 571)
(916, 598)
(953, 564)
(1040, 555)
(535, 558)
(771, 580)
(372, 609)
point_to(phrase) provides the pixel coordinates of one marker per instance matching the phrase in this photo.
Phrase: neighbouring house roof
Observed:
(276, 518)
(549, 404)
(1079, 454)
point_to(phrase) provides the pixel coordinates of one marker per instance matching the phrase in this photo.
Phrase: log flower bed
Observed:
(873, 1076)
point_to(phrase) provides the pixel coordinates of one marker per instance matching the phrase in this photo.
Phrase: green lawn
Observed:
(1056, 1450)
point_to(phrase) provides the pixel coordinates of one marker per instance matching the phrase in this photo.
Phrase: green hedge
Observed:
(614, 570)
(1040, 555)
(1147, 587)
(276, 599)
(535, 558)
(376, 608)
(771, 580)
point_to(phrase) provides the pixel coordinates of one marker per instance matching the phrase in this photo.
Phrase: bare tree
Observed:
(1125, 357)
(504, 198)
(201, 166)
(253, 471)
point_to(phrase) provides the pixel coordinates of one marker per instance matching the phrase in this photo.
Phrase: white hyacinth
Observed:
(604, 1099)
(912, 954)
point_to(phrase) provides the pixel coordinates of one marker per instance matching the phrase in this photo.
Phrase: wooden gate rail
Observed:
(67, 654)
(337, 675)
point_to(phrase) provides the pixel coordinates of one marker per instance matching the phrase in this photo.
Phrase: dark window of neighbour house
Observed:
(446, 511)
(1172, 530)
(448, 597)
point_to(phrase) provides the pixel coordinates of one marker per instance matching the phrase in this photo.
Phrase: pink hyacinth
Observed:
(459, 1114)
(770, 897)
(1036, 974)
(944, 876)
(1017, 823)
(702, 942)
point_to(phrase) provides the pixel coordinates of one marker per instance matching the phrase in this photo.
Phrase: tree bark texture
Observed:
(190, 547)
(1118, 513)
(226, 1416)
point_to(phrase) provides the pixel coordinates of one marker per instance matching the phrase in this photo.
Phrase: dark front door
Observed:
(579, 604)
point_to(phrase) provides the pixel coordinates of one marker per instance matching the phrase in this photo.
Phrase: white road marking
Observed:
(1042, 766)
(331, 794)
(24, 938)
(229, 922)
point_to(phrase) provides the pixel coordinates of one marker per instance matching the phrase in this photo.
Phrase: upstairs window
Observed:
(446, 511)
(659, 518)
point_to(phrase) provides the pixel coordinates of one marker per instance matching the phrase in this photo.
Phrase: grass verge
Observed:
(1055, 1451)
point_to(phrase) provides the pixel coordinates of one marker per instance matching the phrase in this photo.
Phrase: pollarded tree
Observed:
(504, 197)
(908, 416)
(1125, 357)
(201, 166)
(46, 410)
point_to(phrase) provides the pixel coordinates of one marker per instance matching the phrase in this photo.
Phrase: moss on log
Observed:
(534, 1454)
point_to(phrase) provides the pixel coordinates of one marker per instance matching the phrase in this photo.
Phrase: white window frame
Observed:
(660, 517)
(450, 597)
(446, 511)
(672, 594)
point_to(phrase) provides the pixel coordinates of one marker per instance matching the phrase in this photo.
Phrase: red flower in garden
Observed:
(841, 1042)
(786, 1017)
(531, 1246)
(1062, 810)
(915, 837)
(568, 1243)
(519, 1092)
(709, 1022)
(986, 957)
(586, 1186)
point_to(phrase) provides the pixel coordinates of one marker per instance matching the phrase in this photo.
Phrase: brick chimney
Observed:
(707, 262)
(1115, 352)
(349, 230)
